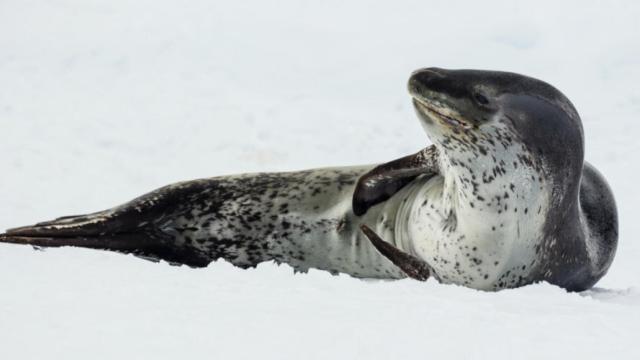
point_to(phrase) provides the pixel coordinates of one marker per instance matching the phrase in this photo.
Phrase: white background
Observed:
(101, 101)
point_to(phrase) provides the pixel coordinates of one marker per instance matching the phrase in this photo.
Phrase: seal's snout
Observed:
(423, 79)
(430, 71)
(414, 86)
(437, 98)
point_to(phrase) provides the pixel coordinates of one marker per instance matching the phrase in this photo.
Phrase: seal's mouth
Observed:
(445, 116)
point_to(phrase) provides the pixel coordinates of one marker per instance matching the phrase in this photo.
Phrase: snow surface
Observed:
(103, 100)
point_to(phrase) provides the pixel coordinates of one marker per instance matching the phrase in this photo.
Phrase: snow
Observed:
(102, 101)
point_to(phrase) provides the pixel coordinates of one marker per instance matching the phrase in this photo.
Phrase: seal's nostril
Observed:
(413, 85)
(427, 73)
(423, 78)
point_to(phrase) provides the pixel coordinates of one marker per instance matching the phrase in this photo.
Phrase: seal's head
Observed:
(452, 100)
(480, 112)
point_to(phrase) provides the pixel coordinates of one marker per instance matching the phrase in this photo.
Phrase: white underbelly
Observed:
(469, 247)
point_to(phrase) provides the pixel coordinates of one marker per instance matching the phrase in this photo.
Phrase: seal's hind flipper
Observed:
(132, 228)
(109, 230)
(412, 266)
(143, 212)
(142, 245)
(126, 243)
(384, 180)
(78, 225)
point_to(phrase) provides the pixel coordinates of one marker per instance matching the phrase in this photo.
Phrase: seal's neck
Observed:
(501, 180)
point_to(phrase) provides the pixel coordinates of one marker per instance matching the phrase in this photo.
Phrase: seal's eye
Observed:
(481, 99)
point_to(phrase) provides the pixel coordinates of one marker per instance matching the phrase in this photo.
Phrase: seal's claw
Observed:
(412, 266)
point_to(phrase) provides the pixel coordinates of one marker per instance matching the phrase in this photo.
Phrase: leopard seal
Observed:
(503, 198)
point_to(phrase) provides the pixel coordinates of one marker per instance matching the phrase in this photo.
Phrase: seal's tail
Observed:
(106, 230)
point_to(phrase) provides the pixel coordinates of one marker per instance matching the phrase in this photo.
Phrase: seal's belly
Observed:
(465, 246)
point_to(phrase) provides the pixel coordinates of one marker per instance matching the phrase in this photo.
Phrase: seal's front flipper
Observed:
(385, 180)
(409, 264)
